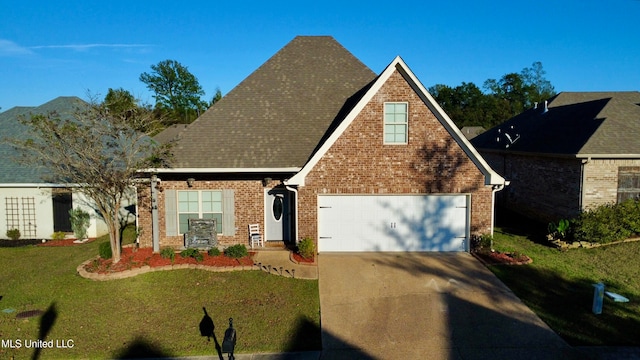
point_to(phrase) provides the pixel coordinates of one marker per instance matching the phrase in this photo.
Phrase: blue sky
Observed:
(55, 48)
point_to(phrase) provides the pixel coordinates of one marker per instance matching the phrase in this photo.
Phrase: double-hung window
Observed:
(199, 204)
(396, 122)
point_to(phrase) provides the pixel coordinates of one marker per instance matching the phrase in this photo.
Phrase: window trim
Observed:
(385, 123)
(622, 193)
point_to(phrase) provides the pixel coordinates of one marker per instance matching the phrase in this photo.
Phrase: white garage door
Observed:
(393, 223)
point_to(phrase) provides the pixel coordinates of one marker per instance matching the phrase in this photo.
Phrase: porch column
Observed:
(155, 222)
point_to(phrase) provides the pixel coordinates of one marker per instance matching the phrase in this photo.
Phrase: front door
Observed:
(277, 215)
(62, 203)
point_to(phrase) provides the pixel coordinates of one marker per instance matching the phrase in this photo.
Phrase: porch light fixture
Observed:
(190, 182)
(266, 181)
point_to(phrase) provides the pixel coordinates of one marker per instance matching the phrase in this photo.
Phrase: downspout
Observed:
(155, 222)
(295, 192)
(137, 244)
(582, 174)
(494, 190)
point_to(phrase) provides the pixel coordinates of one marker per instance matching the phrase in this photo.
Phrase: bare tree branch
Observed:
(96, 151)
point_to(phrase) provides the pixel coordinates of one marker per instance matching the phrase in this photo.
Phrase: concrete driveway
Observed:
(426, 306)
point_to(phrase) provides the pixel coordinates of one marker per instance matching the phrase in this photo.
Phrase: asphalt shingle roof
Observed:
(278, 115)
(169, 134)
(12, 172)
(576, 123)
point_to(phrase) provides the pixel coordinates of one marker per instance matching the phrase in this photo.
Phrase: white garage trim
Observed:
(351, 223)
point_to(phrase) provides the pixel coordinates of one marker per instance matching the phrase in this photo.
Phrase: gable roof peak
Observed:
(491, 177)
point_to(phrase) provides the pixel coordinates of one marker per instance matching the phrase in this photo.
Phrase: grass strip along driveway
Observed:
(558, 285)
(155, 314)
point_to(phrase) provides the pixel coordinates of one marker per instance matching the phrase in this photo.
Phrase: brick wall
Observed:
(248, 205)
(601, 180)
(543, 188)
(549, 189)
(359, 163)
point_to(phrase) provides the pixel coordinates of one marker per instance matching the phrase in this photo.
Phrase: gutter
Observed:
(222, 170)
(38, 185)
(564, 156)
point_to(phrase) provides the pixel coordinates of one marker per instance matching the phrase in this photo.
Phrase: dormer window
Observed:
(396, 122)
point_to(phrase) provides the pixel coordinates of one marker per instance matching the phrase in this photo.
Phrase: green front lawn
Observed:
(558, 285)
(155, 314)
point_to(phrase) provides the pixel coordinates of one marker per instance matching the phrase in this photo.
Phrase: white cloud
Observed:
(84, 47)
(9, 48)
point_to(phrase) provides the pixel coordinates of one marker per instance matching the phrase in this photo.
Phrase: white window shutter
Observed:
(170, 213)
(228, 213)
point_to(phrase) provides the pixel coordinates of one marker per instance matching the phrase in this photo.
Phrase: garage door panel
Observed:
(392, 223)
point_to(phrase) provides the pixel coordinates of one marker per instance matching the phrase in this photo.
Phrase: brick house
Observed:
(314, 144)
(578, 151)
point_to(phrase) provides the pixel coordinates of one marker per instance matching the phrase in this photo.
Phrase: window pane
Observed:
(218, 218)
(401, 136)
(389, 118)
(206, 205)
(211, 201)
(184, 222)
(395, 133)
(188, 201)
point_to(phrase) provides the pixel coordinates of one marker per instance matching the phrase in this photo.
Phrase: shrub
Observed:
(608, 223)
(214, 251)
(559, 230)
(104, 250)
(236, 251)
(194, 253)
(58, 235)
(306, 248)
(79, 222)
(13, 234)
(168, 253)
(481, 242)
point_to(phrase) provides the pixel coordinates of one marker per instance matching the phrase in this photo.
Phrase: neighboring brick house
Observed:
(314, 144)
(579, 151)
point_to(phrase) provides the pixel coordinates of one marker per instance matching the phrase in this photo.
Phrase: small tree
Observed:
(96, 151)
(79, 222)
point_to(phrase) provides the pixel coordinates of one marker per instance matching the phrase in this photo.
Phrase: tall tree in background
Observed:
(541, 88)
(216, 97)
(513, 93)
(176, 90)
(95, 150)
(518, 92)
(119, 101)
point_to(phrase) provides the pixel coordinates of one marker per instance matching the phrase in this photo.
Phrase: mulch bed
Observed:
(500, 258)
(132, 258)
(19, 242)
(300, 260)
(38, 242)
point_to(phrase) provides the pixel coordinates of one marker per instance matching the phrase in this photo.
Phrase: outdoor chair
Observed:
(255, 238)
